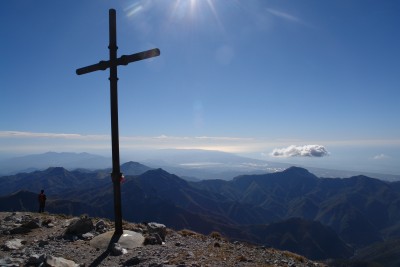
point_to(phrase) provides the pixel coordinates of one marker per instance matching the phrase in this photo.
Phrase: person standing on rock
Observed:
(42, 201)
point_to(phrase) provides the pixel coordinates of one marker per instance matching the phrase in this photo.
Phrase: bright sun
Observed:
(174, 9)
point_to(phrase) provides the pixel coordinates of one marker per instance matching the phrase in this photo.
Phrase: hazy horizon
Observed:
(150, 155)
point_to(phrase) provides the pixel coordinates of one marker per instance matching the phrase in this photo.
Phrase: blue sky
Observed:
(310, 82)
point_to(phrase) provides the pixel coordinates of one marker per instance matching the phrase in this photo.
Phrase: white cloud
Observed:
(300, 151)
(381, 157)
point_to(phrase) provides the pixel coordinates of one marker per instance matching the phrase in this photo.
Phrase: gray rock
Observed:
(68, 222)
(128, 240)
(157, 228)
(31, 224)
(80, 227)
(11, 262)
(36, 259)
(100, 225)
(9, 218)
(20, 230)
(13, 244)
(59, 262)
(190, 254)
(88, 236)
(152, 239)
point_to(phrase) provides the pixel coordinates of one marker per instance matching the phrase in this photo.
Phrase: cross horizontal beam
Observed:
(123, 60)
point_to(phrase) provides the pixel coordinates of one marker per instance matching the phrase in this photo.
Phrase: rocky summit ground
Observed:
(41, 239)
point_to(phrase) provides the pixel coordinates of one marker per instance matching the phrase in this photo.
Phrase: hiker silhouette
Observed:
(42, 200)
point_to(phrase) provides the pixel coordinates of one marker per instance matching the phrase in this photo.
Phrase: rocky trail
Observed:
(41, 239)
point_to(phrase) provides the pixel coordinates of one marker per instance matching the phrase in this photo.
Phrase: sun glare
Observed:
(184, 8)
(184, 12)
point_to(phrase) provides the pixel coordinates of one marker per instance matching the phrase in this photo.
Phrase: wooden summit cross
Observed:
(112, 64)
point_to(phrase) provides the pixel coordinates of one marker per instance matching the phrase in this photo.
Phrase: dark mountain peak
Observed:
(297, 171)
(160, 176)
(43, 161)
(134, 168)
(56, 171)
(365, 178)
(157, 172)
(288, 174)
(131, 164)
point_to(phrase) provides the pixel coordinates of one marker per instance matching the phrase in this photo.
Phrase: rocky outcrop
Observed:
(51, 246)
(78, 227)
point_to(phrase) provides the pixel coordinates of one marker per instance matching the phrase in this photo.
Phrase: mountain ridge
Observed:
(239, 207)
(195, 164)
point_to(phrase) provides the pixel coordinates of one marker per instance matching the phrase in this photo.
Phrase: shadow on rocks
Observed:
(114, 239)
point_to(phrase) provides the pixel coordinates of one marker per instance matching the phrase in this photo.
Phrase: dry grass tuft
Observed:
(187, 232)
(294, 256)
(216, 235)
(241, 258)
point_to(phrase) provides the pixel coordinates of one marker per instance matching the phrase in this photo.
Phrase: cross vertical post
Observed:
(113, 63)
(116, 172)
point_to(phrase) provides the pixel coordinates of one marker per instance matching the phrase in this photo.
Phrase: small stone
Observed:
(31, 225)
(36, 259)
(87, 236)
(153, 239)
(43, 243)
(58, 261)
(13, 244)
(100, 225)
(132, 261)
(46, 222)
(117, 250)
